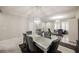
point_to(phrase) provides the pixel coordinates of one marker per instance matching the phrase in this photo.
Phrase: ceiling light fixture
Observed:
(57, 17)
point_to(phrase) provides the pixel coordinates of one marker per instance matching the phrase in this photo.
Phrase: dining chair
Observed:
(29, 32)
(24, 38)
(53, 47)
(32, 47)
(24, 45)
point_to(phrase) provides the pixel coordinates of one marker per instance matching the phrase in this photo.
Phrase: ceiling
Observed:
(37, 11)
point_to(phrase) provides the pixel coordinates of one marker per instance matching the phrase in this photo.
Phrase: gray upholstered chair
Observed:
(47, 35)
(24, 46)
(24, 38)
(32, 47)
(53, 47)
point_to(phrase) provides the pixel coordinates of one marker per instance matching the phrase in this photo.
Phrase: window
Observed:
(65, 25)
(62, 25)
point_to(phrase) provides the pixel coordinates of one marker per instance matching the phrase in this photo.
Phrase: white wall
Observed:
(73, 30)
(11, 26)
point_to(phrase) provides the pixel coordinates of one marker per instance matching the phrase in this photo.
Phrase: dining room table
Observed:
(42, 42)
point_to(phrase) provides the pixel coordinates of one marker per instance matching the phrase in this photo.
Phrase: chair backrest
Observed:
(24, 38)
(53, 47)
(47, 35)
(31, 45)
(29, 32)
